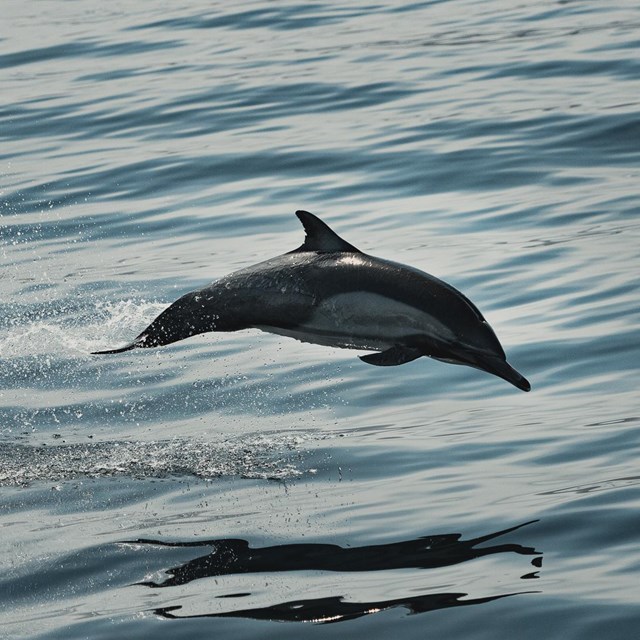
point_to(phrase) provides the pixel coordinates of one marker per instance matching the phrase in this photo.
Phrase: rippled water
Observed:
(246, 485)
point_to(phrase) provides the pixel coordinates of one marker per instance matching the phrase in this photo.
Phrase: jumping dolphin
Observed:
(328, 292)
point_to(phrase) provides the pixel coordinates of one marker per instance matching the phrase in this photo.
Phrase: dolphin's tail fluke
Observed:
(181, 320)
(148, 338)
(119, 350)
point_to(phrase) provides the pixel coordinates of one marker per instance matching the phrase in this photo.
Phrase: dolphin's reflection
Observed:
(233, 556)
(334, 609)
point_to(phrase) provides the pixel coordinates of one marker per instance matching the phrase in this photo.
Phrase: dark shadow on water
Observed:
(235, 556)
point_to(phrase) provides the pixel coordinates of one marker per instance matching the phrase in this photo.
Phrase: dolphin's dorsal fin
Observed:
(319, 237)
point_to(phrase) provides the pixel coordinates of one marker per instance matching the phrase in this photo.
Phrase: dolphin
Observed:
(330, 293)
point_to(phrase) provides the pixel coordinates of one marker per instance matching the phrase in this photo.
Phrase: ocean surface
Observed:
(246, 485)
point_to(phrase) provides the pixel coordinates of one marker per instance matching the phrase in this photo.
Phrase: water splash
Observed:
(51, 329)
(274, 457)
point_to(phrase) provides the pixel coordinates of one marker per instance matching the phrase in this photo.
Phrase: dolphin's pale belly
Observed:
(363, 320)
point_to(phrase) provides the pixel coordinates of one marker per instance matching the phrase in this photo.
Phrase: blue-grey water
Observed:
(247, 485)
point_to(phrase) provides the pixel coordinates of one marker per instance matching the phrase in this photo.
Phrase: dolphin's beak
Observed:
(501, 368)
(489, 362)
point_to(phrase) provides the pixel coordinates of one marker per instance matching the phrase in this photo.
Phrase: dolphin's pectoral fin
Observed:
(320, 237)
(392, 357)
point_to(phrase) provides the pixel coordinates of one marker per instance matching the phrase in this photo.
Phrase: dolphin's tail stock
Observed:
(177, 322)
